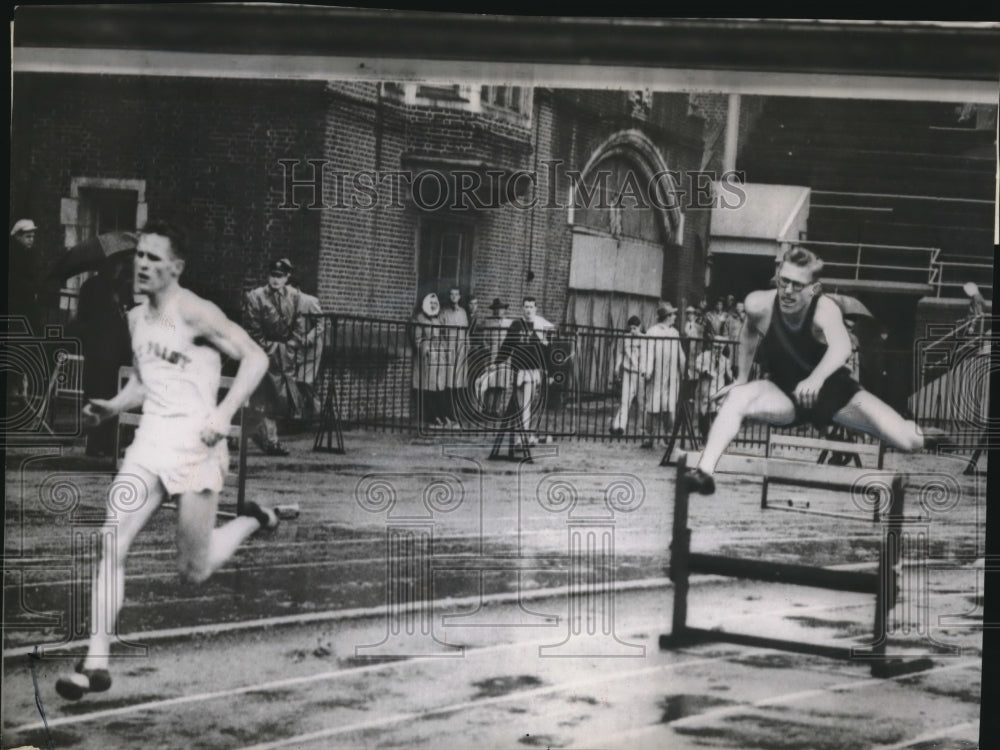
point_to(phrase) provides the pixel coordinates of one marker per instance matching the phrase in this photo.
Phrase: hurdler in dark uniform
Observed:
(789, 355)
(804, 344)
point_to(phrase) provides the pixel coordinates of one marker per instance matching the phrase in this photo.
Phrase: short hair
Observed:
(528, 299)
(177, 237)
(802, 257)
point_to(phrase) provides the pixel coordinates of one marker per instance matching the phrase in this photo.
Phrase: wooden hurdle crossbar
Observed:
(882, 583)
(874, 452)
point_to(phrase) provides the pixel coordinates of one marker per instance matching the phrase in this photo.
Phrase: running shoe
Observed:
(73, 687)
(266, 517)
(700, 482)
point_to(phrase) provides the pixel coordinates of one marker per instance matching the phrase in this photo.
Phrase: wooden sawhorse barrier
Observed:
(882, 584)
(514, 431)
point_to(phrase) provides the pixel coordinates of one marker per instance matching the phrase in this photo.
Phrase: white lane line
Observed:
(934, 734)
(626, 738)
(575, 684)
(330, 675)
(517, 695)
(333, 615)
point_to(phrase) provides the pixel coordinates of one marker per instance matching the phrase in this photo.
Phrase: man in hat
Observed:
(179, 450)
(26, 269)
(692, 328)
(631, 370)
(272, 316)
(804, 347)
(494, 381)
(666, 364)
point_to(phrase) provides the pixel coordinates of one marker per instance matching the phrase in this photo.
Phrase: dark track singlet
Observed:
(789, 355)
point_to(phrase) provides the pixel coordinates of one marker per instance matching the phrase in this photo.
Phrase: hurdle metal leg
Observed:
(882, 584)
(680, 548)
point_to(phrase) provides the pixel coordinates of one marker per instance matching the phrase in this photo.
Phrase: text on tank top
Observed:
(181, 377)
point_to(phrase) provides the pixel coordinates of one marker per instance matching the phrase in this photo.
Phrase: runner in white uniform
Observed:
(179, 448)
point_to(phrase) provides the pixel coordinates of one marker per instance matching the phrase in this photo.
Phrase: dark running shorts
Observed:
(836, 392)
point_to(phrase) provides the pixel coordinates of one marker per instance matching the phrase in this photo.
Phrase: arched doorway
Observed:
(625, 216)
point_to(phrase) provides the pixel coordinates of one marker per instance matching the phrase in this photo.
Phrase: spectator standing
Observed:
(456, 333)
(309, 358)
(524, 347)
(430, 368)
(479, 353)
(101, 323)
(493, 384)
(716, 320)
(631, 370)
(272, 318)
(26, 276)
(713, 371)
(735, 319)
(666, 365)
(693, 329)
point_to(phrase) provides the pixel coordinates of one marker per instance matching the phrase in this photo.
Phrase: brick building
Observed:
(361, 185)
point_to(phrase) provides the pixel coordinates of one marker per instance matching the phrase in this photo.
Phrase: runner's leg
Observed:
(141, 493)
(759, 400)
(868, 413)
(202, 548)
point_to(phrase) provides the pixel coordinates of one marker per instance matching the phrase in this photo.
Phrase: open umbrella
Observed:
(90, 255)
(851, 307)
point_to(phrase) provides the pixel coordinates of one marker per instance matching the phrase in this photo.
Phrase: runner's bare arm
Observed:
(130, 397)
(209, 322)
(757, 305)
(830, 322)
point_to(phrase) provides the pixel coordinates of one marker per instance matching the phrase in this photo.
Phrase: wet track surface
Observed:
(325, 635)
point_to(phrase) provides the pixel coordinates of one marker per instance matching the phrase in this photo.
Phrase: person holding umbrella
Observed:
(101, 324)
(804, 346)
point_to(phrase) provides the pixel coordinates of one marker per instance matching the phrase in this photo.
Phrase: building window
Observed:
(97, 205)
(453, 93)
(509, 100)
(105, 210)
(445, 256)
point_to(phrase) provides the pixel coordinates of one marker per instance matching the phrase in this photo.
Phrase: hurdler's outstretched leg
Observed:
(867, 413)
(761, 400)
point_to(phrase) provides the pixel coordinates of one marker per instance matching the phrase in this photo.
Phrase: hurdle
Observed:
(875, 453)
(882, 584)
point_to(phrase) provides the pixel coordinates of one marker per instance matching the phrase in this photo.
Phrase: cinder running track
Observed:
(427, 597)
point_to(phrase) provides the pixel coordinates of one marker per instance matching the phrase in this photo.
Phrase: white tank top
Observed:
(181, 376)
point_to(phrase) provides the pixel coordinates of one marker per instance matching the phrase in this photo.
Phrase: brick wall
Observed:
(208, 151)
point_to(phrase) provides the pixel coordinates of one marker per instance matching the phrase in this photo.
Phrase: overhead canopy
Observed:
(754, 219)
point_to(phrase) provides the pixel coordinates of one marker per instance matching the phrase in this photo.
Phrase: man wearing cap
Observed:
(631, 369)
(26, 270)
(667, 362)
(272, 316)
(493, 382)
